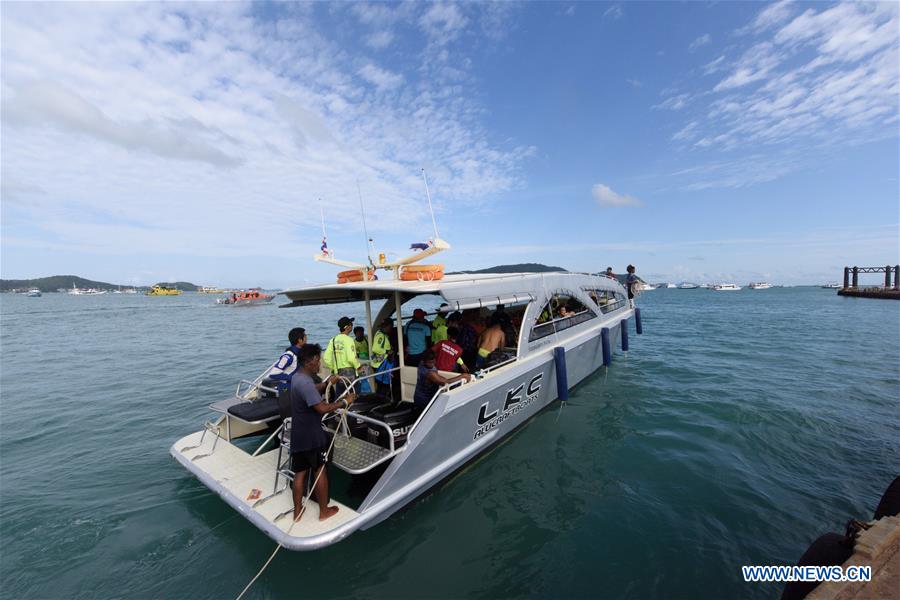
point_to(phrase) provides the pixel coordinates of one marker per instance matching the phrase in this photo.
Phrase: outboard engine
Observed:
(399, 418)
(363, 405)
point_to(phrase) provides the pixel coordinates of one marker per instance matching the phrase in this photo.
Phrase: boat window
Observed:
(561, 312)
(606, 300)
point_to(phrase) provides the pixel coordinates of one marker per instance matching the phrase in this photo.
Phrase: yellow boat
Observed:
(158, 290)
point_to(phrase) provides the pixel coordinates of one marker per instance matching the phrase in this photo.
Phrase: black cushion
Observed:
(261, 410)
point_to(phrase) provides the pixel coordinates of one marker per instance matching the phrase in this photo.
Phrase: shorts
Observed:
(308, 459)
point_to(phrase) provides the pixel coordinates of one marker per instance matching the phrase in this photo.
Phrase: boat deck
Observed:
(235, 474)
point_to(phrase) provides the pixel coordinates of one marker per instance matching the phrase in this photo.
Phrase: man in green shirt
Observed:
(340, 355)
(362, 344)
(441, 319)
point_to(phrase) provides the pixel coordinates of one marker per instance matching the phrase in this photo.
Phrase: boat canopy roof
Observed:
(460, 291)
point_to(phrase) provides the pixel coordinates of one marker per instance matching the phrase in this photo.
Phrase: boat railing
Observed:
(352, 454)
(256, 384)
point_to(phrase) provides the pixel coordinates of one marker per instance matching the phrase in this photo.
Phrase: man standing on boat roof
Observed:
(286, 365)
(631, 281)
(309, 443)
(418, 337)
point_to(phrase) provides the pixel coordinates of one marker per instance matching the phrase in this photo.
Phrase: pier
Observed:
(889, 290)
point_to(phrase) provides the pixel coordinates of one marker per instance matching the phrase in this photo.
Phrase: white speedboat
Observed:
(643, 286)
(671, 286)
(688, 286)
(397, 454)
(76, 291)
(33, 293)
(832, 286)
(760, 285)
(726, 287)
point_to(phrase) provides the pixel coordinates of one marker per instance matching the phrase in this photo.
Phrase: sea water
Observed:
(737, 429)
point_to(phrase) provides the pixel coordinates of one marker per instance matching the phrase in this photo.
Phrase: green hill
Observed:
(57, 282)
(517, 268)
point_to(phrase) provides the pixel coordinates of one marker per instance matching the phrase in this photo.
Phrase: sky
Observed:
(203, 142)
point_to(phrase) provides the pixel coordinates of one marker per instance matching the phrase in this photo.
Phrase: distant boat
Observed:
(688, 286)
(33, 293)
(646, 287)
(249, 298)
(671, 286)
(159, 290)
(726, 287)
(831, 286)
(75, 291)
(761, 285)
(210, 289)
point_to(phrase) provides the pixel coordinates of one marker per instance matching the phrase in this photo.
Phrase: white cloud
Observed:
(380, 78)
(606, 197)
(700, 41)
(380, 39)
(443, 22)
(613, 12)
(139, 128)
(676, 102)
(818, 80)
(633, 83)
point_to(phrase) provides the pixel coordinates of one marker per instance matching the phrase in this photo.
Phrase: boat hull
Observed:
(458, 426)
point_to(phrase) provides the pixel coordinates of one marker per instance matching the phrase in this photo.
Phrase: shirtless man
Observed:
(491, 339)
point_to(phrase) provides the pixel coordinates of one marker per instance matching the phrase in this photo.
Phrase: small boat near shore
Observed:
(831, 286)
(688, 286)
(161, 290)
(760, 285)
(252, 297)
(726, 287)
(33, 293)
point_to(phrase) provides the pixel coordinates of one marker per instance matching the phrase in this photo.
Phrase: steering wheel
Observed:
(331, 391)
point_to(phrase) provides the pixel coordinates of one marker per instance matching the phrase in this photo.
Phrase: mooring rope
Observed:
(343, 422)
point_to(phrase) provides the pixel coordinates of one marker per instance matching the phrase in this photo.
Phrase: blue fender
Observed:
(623, 325)
(562, 376)
(604, 343)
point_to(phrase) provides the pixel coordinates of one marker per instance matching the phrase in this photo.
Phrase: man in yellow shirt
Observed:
(340, 355)
(381, 347)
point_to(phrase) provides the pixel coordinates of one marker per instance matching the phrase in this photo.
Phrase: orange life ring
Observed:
(352, 272)
(421, 276)
(355, 275)
(423, 268)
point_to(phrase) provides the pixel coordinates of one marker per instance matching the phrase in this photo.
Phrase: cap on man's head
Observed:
(418, 314)
(344, 322)
(444, 308)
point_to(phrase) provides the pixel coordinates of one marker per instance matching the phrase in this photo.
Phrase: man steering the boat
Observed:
(309, 442)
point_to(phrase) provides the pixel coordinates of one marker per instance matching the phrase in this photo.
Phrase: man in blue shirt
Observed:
(309, 442)
(418, 337)
(428, 380)
(287, 363)
(631, 281)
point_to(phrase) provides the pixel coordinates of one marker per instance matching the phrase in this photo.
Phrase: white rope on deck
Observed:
(312, 488)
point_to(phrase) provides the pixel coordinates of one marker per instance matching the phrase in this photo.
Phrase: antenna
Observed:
(365, 229)
(324, 235)
(430, 207)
